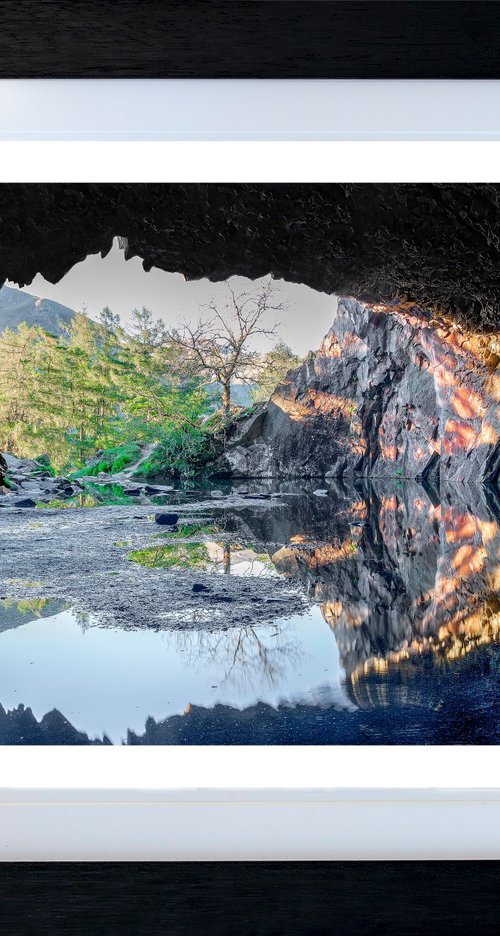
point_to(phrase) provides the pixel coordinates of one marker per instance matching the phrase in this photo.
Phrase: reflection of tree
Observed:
(85, 619)
(246, 655)
(34, 607)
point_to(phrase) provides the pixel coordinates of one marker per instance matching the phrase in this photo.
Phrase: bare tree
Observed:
(218, 346)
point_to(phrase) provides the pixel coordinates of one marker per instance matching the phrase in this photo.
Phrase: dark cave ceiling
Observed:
(435, 245)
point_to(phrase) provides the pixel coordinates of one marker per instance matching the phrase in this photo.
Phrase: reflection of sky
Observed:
(105, 680)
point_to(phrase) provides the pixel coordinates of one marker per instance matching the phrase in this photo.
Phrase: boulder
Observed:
(31, 477)
(166, 519)
(22, 502)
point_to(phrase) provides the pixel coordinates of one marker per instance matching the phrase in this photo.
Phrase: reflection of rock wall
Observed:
(410, 577)
(19, 726)
(390, 393)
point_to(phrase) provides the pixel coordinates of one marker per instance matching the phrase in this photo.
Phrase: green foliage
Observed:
(56, 504)
(56, 394)
(109, 494)
(99, 387)
(182, 454)
(186, 530)
(88, 396)
(111, 461)
(277, 364)
(44, 465)
(94, 495)
(31, 606)
(182, 556)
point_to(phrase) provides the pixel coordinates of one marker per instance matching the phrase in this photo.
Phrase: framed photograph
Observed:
(249, 466)
(249, 511)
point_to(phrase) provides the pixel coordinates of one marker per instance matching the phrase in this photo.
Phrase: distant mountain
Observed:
(17, 306)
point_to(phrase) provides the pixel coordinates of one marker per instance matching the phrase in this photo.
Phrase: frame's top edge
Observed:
(272, 39)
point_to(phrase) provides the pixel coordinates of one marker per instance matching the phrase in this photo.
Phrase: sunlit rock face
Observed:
(393, 392)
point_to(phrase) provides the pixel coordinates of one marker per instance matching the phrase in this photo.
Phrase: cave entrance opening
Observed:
(285, 606)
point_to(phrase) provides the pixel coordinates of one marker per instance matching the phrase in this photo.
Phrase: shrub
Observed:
(111, 461)
(182, 453)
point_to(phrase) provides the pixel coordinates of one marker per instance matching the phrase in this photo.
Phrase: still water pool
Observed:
(108, 681)
(396, 637)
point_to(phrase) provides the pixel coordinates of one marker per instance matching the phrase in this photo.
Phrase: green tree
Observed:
(274, 369)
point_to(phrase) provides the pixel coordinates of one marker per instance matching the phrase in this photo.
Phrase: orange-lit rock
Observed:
(393, 392)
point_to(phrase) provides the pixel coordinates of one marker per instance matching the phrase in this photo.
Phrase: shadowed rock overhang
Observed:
(434, 245)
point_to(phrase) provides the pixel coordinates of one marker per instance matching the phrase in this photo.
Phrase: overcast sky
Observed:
(123, 285)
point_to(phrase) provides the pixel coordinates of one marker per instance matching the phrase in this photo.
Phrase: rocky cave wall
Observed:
(434, 245)
(393, 392)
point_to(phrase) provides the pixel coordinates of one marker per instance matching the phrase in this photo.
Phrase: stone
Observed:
(393, 392)
(23, 502)
(199, 587)
(29, 478)
(166, 519)
(13, 463)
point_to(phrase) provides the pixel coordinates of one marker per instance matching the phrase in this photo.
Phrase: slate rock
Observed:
(393, 392)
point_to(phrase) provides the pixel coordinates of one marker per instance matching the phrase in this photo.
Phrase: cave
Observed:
(338, 559)
(436, 246)
(422, 262)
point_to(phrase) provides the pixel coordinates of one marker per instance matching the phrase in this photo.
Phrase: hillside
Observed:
(17, 306)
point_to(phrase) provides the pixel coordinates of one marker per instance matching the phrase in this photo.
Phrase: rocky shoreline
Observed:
(30, 482)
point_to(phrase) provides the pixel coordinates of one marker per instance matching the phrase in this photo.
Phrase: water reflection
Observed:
(399, 643)
(410, 577)
(110, 681)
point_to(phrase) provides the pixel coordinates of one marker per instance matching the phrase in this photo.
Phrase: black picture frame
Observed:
(249, 39)
(400, 898)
